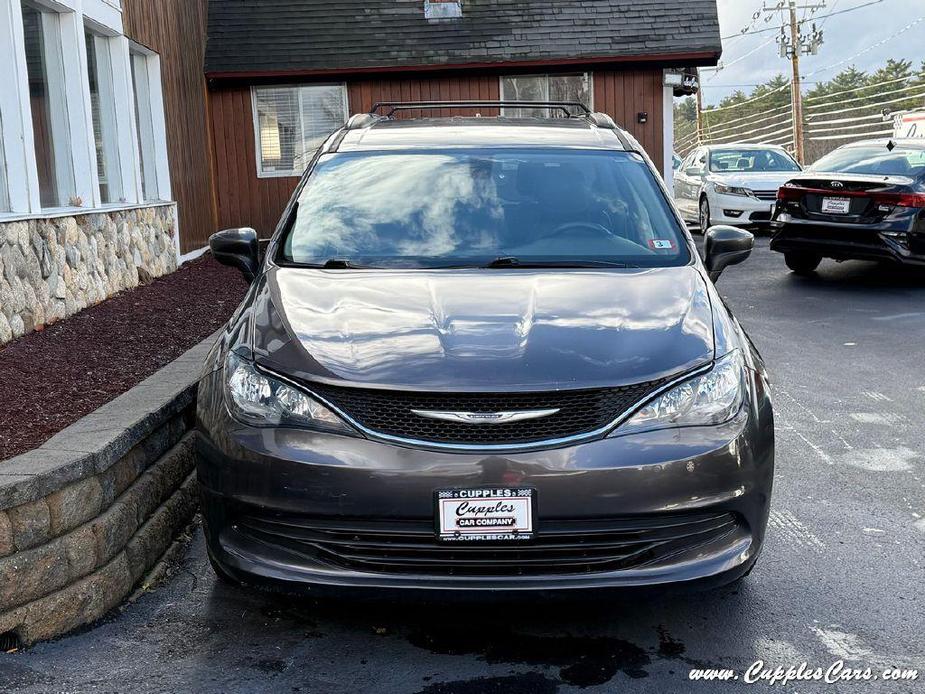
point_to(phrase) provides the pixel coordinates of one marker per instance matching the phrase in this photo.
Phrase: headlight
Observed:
(263, 401)
(731, 190)
(711, 398)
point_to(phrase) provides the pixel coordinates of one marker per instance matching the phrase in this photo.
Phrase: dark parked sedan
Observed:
(864, 201)
(483, 354)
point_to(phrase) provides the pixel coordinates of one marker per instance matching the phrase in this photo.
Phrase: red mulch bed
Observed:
(54, 377)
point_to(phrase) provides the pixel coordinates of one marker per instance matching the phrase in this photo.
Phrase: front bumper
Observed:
(740, 210)
(304, 509)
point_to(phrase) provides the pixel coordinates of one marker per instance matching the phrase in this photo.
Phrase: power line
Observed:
(768, 115)
(804, 21)
(750, 101)
(859, 89)
(722, 66)
(870, 48)
(868, 98)
(826, 18)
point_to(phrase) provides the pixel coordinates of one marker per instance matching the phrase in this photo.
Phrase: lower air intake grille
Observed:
(559, 547)
(390, 412)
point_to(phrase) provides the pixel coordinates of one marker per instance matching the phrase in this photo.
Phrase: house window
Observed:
(291, 122)
(45, 69)
(575, 87)
(103, 111)
(144, 132)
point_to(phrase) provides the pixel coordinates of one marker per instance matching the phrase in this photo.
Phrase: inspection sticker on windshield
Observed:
(488, 515)
(661, 244)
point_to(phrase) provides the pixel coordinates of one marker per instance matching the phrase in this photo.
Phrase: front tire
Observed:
(802, 263)
(704, 217)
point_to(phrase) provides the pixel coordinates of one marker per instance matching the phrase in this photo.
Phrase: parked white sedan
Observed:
(732, 184)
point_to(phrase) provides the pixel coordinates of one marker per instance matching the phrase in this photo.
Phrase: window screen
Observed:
(291, 123)
(544, 88)
(144, 132)
(103, 112)
(45, 68)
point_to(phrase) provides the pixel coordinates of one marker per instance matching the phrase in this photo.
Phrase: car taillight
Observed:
(790, 193)
(899, 199)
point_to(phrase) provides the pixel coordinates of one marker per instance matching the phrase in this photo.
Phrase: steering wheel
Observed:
(582, 228)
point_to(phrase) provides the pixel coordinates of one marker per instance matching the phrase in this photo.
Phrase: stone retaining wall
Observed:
(84, 517)
(53, 267)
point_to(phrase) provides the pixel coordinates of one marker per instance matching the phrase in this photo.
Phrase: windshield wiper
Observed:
(329, 264)
(512, 261)
(341, 264)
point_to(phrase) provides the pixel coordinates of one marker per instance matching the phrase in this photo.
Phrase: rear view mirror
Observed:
(724, 246)
(237, 248)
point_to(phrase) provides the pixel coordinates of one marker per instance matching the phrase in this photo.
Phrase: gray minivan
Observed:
(483, 354)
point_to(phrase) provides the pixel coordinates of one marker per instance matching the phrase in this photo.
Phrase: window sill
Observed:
(55, 212)
(279, 174)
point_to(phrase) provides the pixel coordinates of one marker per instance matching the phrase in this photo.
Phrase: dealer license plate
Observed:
(836, 205)
(485, 514)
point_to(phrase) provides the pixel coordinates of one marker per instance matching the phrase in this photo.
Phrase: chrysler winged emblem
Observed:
(485, 417)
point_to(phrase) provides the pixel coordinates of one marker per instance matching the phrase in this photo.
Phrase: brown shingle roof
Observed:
(279, 36)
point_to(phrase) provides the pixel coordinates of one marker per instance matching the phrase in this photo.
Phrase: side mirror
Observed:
(724, 246)
(237, 248)
(693, 171)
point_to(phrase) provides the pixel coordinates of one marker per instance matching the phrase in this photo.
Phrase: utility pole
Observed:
(797, 89)
(793, 47)
(699, 110)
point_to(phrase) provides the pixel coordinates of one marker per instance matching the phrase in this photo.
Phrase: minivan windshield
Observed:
(476, 207)
(876, 160)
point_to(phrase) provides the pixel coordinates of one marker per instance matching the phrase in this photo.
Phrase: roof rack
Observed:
(393, 106)
(362, 120)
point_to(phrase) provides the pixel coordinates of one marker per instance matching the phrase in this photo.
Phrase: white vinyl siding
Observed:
(291, 122)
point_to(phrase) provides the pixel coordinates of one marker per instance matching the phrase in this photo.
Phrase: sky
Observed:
(845, 36)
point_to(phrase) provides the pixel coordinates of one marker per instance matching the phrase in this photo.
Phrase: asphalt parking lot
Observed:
(842, 575)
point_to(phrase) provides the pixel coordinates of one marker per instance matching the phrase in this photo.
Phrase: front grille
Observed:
(559, 546)
(760, 217)
(580, 411)
(770, 195)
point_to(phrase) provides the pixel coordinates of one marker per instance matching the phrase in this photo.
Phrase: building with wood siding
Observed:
(283, 73)
(105, 159)
(121, 107)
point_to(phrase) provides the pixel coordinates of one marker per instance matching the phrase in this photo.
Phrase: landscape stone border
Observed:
(53, 267)
(85, 516)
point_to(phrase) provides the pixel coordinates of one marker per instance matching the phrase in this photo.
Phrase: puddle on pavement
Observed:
(582, 661)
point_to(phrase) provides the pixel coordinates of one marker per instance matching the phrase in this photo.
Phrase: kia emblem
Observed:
(837, 184)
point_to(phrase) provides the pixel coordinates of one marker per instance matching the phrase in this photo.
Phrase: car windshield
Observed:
(451, 208)
(751, 160)
(874, 160)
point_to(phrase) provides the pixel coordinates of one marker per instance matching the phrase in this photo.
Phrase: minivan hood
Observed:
(483, 330)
